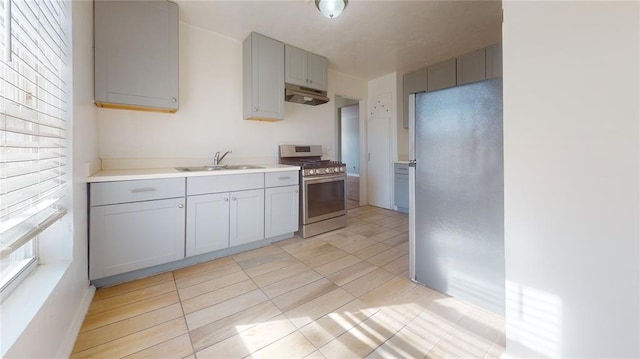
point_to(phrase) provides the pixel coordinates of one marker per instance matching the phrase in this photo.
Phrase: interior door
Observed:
(379, 161)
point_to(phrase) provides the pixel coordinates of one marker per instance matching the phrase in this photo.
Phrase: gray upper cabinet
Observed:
(471, 67)
(136, 55)
(412, 82)
(479, 65)
(493, 61)
(441, 75)
(295, 66)
(263, 78)
(318, 67)
(306, 69)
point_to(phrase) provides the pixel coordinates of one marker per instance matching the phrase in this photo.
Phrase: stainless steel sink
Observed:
(216, 168)
(242, 167)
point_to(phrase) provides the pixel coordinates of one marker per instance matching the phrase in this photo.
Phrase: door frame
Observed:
(362, 135)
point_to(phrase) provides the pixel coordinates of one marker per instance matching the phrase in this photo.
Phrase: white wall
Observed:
(59, 292)
(210, 114)
(350, 123)
(571, 130)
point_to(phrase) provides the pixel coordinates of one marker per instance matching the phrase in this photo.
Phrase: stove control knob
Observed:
(327, 170)
(336, 170)
(311, 172)
(341, 169)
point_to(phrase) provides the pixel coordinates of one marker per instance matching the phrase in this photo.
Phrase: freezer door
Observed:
(459, 210)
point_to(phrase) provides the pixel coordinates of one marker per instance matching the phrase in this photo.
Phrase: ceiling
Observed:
(370, 39)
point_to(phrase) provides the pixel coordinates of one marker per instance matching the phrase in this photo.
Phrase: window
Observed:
(34, 107)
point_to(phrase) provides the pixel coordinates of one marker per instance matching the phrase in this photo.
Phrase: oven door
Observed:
(323, 198)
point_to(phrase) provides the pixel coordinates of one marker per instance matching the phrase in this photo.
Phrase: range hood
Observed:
(304, 95)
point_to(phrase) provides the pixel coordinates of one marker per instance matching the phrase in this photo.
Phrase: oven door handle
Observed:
(323, 178)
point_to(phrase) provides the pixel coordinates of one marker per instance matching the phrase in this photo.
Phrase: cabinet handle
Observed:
(233, 198)
(255, 109)
(226, 199)
(284, 178)
(296, 191)
(310, 81)
(180, 205)
(174, 100)
(140, 190)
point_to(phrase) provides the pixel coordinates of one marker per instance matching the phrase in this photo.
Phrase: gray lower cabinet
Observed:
(281, 210)
(224, 211)
(144, 223)
(246, 217)
(282, 203)
(133, 225)
(263, 78)
(136, 55)
(222, 220)
(207, 223)
(401, 190)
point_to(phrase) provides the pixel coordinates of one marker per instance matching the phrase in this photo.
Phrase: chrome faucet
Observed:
(217, 159)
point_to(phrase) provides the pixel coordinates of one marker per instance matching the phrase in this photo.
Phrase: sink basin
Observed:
(241, 167)
(216, 168)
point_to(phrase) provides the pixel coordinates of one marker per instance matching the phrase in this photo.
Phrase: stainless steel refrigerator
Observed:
(457, 192)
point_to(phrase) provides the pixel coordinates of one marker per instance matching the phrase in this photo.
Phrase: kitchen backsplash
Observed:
(133, 163)
(210, 115)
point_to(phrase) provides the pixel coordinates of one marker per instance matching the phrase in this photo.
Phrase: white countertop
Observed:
(157, 173)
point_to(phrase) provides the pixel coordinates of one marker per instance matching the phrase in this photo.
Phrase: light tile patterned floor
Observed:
(343, 294)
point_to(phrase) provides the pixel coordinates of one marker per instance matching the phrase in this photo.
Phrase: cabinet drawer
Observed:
(103, 193)
(401, 168)
(224, 183)
(277, 179)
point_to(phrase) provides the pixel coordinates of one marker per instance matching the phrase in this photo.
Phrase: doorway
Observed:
(348, 126)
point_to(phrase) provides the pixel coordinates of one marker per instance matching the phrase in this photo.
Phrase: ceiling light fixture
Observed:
(331, 8)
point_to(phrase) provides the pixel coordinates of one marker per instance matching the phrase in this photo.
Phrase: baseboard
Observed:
(76, 324)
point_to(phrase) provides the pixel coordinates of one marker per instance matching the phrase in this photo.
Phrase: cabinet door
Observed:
(441, 75)
(246, 217)
(493, 61)
(281, 210)
(295, 61)
(263, 78)
(471, 67)
(412, 82)
(401, 192)
(207, 223)
(136, 54)
(131, 236)
(317, 72)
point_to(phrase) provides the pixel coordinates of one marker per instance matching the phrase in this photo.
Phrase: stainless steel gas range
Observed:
(323, 203)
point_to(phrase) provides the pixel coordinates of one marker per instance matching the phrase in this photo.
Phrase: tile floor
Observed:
(343, 294)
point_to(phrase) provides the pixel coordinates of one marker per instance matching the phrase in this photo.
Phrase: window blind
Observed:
(34, 106)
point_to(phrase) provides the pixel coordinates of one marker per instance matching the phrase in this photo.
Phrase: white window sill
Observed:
(19, 309)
